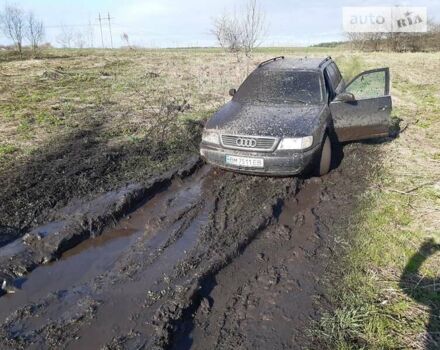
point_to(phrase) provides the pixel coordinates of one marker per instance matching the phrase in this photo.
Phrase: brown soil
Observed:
(213, 260)
(81, 165)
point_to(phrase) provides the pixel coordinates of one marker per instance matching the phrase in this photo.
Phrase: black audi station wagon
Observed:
(283, 116)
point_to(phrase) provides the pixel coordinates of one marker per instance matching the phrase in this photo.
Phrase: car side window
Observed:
(328, 89)
(330, 82)
(369, 84)
(337, 73)
(332, 76)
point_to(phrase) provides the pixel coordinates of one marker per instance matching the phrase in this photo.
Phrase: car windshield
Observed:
(281, 86)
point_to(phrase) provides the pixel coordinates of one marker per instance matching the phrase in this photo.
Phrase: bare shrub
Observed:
(125, 39)
(164, 120)
(34, 31)
(365, 41)
(165, 127)
(375, 41)
(66, 37)
(357, 40)
(79, 40)
(433, 37)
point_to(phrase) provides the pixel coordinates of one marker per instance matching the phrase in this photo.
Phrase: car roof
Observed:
(295, 63)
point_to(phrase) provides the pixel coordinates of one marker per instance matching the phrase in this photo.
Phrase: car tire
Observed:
(325, 159)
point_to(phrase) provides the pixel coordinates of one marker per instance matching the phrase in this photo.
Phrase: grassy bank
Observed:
(389, 297)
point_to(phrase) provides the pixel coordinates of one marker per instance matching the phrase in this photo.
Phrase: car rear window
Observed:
(281, 86)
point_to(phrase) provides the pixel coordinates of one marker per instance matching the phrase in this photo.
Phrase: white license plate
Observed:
(245, 161)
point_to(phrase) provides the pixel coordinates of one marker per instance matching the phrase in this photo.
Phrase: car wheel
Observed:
(326, 157)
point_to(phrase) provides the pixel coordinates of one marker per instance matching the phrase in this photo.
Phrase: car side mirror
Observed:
(232, 92)
(345, 97)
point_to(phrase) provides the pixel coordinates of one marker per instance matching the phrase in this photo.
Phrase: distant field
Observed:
(76, 122)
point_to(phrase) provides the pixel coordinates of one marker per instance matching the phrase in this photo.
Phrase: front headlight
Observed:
(297, 143)
(210, 137)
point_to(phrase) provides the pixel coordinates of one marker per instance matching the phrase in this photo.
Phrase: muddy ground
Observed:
(210, 259)
(81, 165)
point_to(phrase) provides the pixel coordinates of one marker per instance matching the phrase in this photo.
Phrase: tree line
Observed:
(398, 42)
(20, 27)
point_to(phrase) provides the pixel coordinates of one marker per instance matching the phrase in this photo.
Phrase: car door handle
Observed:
(383, 108)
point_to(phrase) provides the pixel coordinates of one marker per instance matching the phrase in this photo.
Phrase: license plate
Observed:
(245, 162)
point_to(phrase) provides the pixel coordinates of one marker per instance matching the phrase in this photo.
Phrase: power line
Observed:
(91, 33)
(67, 25)
(110, 28)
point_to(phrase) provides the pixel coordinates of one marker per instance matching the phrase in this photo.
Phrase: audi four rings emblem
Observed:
(242, 142)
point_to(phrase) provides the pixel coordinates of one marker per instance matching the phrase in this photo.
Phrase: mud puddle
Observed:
(128, 287)
(126, 307)
(73, 268)
(95, 256)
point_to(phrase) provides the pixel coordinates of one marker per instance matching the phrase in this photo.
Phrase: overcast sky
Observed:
(171, 23)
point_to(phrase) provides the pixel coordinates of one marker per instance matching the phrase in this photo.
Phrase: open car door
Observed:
(366, 114)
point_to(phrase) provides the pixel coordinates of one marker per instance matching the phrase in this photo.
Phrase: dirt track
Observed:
(213, 260)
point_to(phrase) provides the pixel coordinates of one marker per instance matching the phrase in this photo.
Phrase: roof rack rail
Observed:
(324, 60)
(271, 60)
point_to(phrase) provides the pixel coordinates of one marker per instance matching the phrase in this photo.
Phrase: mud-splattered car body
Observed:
(278, 120)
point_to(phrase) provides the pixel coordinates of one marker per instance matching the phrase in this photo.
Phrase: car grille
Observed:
(251, 143)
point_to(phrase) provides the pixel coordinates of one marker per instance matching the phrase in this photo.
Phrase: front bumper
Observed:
(278, 163)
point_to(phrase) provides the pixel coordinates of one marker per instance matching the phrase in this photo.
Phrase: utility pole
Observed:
(100, 26)
(91, 33)
(110, 28)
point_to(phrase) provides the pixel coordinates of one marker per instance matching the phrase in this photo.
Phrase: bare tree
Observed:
(361, 41)
(433, 27)
(79, 40)
(66, 37)
(13, 25)
(433, 35)
(34, 31)
(240, 33)
(228, 33)
(125, 39)
(375, 40)
(253, 26)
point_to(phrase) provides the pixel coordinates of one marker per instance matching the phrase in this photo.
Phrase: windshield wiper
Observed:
(303, 102)
(300, 101)
(260, 100)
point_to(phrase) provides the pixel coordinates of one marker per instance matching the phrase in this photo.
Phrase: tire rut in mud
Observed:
(265, 297)
(137, 299)
(272, 293)
(222, 258)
